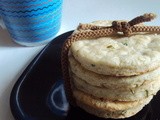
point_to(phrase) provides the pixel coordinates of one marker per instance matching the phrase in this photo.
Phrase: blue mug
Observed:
(31, 22)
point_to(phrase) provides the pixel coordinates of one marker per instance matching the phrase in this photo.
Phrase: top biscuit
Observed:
(119, 56)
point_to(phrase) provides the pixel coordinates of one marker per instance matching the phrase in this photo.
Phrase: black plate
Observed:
(39, 94)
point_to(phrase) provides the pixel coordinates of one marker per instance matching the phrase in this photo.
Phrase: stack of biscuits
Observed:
(115, 77)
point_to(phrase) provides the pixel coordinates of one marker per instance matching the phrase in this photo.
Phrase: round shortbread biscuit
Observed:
(108, 109)
(104, 104)
(119, 56)
(111, 82)
(115, 94)
(110, 114)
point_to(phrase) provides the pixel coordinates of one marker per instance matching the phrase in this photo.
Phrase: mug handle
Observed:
(2, 23)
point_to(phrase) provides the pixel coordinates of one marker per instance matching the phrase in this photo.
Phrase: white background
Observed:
(14, 58)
